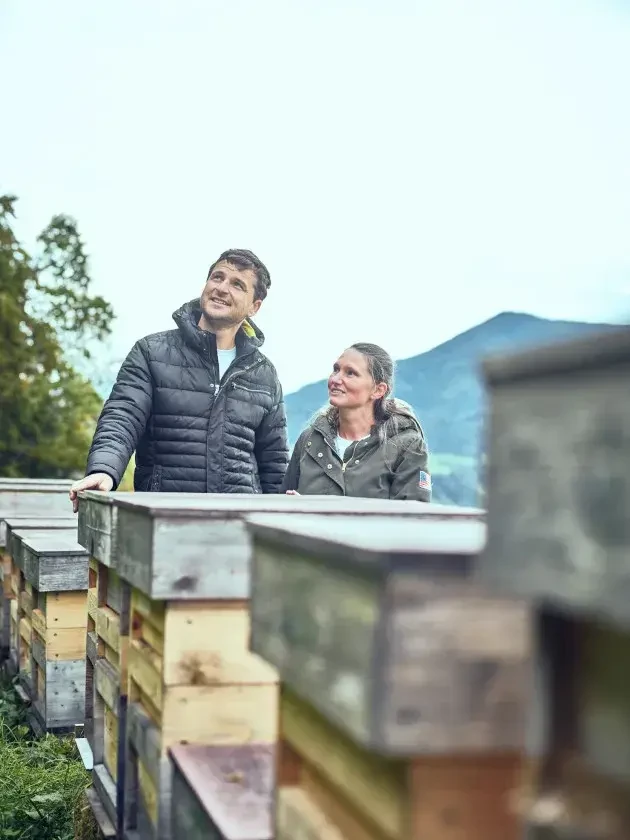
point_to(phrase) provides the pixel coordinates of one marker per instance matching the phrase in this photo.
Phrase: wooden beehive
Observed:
(191, 675)
(20, 595)
(559, 533)
(32, 497)
(106, 645)
(403, 682)
(55, 567)
(24, 498)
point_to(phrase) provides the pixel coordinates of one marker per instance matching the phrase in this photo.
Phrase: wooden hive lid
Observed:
(238, 505)
(375, 545)
(234, 786)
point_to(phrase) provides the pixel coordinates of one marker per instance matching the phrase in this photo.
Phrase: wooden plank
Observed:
(558, 479)
(376, 787)
(55, 573)
(108, 627)
(91, 647)
(105, 825)
(225, 792)
(106, 683)
(207, 644)
(153, 527)
(92, 603)
(216, 714)
(299, 818)
(97, 525)
(65, 694)
(105, 789)
(28, 499)
(349, 821)
(66, 609)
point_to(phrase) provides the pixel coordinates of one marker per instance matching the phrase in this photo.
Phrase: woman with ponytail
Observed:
(364, 442)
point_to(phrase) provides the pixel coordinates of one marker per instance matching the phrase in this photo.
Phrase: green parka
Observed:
(396, 468)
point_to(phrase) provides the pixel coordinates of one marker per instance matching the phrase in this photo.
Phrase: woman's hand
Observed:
(292, 493)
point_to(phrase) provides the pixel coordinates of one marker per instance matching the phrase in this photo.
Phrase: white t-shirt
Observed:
(226, 357)
(341, 444)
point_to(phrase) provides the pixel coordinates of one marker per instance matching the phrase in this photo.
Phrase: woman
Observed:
(363, 443)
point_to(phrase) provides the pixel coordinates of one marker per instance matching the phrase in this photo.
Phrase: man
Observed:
(200, 404)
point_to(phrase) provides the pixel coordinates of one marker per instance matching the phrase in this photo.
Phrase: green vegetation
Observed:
(42, 781)
(48, 320)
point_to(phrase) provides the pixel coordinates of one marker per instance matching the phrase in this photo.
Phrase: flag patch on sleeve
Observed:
(424, 480)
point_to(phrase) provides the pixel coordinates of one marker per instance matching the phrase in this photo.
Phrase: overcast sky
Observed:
(405, 169)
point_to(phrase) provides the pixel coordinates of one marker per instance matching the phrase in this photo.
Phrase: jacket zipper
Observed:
(238, 373)
(344, 464)
(249, 390)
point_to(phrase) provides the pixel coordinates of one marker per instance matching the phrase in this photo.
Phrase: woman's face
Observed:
(350, 385)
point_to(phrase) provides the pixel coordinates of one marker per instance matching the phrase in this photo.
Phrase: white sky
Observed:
(405, 169)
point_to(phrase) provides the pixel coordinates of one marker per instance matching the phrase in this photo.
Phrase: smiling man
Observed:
(200, 404)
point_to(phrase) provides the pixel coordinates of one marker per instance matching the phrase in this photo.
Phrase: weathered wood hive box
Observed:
(403, 682)
(107, 644)
(21, 601)
(55, 568)
(191, 677)
(24, 498)
(559, 534)
(32, 497)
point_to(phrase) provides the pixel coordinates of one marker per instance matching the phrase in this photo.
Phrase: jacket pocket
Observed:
(155, 484)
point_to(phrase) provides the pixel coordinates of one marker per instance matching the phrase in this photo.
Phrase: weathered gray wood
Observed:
(28, 523)
(105, 825)
(55, 563)
(144, 738)
(558, 479)
(16, 537)
(105, 789)
(97, 524)
(33, 497)
(223, 793)
(63, 705)
(207, 535)
(381, 626)
(38, 652)
(92, 647)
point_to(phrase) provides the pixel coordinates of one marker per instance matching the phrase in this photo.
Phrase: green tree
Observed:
(47, 408)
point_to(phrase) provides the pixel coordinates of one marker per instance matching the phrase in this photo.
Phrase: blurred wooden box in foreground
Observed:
(404, 684)
(558, 484)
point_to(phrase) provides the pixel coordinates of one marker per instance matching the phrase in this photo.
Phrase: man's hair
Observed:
(242, 258)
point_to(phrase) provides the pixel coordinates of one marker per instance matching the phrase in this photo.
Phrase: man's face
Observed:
(229, 295)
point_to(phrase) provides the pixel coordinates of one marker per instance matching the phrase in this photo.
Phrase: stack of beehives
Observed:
(183, 565)
(403, 683)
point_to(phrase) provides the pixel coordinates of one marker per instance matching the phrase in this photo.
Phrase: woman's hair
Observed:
(389, 413)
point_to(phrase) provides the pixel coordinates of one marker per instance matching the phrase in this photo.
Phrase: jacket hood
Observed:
(187, 320)
(394, 425)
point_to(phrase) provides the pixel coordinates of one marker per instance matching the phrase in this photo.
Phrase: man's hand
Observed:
(292, 493)
(96, 481)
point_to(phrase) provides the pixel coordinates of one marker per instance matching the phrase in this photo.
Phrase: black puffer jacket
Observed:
(193, 433)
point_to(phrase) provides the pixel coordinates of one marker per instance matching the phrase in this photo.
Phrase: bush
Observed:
(42, 781)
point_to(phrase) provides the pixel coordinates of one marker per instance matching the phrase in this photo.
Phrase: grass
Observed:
(42, 781)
